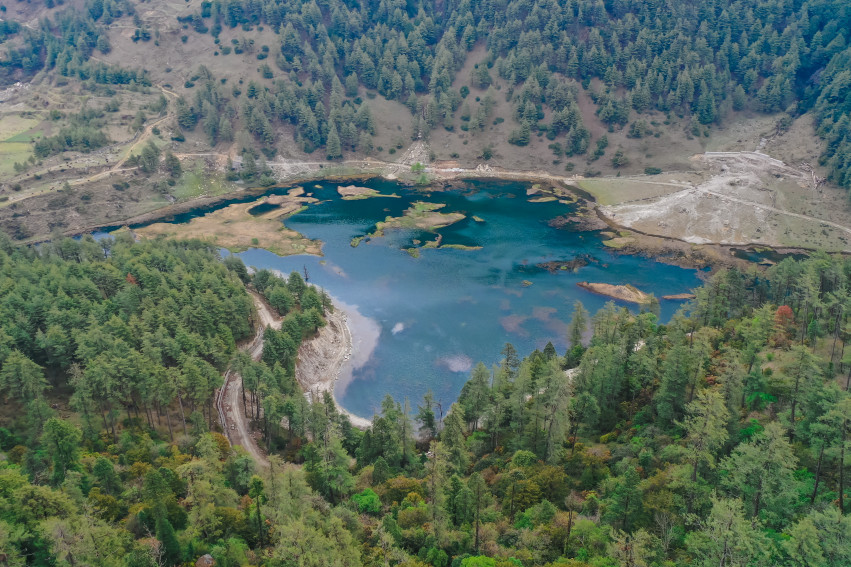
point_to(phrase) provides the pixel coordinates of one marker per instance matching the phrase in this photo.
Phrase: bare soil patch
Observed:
(732, 198)
(321, 360)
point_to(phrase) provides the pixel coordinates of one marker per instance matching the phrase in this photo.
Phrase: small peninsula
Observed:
(625, 292)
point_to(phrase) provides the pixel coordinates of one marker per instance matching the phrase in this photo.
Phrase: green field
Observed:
(611, 190)
(195, 184)
(27, 136)
(15, 136)
(12, 125)
(11, 152)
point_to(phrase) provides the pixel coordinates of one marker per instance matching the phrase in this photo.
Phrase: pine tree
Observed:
(453, 440)
(172, 165)
(739, 98)
(22, 378)
(170, 548)
(761, 471)
(334, 149)
(426, 417)
(578, 324)
(705, 105)
(149, 160)
(625, 502)
(63, 441)
(726, 537)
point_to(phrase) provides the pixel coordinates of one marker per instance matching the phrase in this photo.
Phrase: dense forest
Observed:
(720, 438)
(700, 61)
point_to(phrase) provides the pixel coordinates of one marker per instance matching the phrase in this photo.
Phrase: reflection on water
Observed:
(433, 317)
(365, 335)
(765, 256)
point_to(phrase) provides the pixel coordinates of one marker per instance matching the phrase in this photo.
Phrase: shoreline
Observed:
(334, 341)
(327, 359)
(666, 249)
(672, 247)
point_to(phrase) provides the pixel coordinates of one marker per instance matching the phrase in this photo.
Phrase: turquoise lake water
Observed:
(436, 316)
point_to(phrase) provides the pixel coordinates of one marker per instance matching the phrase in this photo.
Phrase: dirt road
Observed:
(688, 188)
(418, 152)
(734, 201)
(229, 401)
(142, 137)
(236, 424)
(320, 360)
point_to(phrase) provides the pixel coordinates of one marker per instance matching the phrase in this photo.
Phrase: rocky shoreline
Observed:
(588, 216)
(323, 360)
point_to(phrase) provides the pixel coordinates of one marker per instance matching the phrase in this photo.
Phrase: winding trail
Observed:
(142, 137)
(734, 199)
(320, 360)
(775, 209)
(229, 399)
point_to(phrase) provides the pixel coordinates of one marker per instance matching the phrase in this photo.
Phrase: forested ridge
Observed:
(700, 61)
(720, 438)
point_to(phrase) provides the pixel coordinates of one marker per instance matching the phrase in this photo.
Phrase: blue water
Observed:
(441, 313)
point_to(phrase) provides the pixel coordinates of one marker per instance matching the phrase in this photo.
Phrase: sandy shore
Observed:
(326, 361)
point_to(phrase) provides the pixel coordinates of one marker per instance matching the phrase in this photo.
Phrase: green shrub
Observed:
(367, 502)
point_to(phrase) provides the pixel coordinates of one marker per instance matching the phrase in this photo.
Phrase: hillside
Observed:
(717, 439)
(574, 89)
(163, 405)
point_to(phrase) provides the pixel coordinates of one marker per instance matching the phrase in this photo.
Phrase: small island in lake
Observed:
(240, 226)
(679, 296)
(625, 292)
(421, 215)
(353, 192)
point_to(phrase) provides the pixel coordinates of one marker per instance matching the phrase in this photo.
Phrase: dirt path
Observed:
(320, 360)
(236, 424)
(229, 400)
(735, 202)
(148, 131)
(418, 152)
(775, 210)
(267, 316)
(143, 137)
(687, 187)
(116, 167)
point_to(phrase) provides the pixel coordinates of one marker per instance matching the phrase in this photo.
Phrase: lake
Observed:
(425, 321)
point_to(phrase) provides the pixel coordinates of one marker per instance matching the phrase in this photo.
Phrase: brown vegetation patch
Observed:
(234, 228)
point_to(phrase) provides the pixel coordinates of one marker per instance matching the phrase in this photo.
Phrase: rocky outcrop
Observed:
(622, 292)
